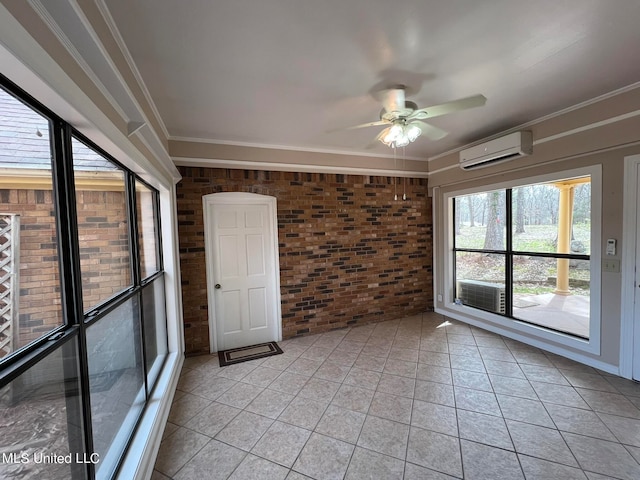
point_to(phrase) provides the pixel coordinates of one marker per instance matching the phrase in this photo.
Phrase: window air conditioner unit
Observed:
(514, 145)
(484, 295)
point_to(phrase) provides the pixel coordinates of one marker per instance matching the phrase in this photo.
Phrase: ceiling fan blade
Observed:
(429, 131)
(449, 107)
(370, 124)
(362, 125)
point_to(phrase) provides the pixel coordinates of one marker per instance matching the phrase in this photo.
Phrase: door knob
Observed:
(218, 286)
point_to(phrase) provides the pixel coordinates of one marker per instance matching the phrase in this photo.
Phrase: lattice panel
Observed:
(9, 268)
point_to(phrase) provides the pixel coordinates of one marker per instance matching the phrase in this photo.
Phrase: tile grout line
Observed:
(408, 332)
(515, 452)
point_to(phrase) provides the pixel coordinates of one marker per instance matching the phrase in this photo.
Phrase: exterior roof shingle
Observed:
(24, 140)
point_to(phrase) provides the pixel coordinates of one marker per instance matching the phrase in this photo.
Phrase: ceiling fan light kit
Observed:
(400, 135)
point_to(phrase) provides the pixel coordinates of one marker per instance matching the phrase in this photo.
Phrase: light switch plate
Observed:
(612, 266)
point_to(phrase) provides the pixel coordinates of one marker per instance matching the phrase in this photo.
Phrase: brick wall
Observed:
(349, 253)
(145, 211)
(105, 259)
(39, 285)
(104, 250)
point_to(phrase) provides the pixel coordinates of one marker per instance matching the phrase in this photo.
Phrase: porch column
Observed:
(565, 220)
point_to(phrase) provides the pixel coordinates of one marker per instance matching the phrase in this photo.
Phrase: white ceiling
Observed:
(284, 72)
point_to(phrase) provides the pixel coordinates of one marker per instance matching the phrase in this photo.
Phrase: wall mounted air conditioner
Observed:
(509, 147)
(485, 295)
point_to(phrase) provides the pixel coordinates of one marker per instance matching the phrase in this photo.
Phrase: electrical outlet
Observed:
(439, 297)
(612, 266)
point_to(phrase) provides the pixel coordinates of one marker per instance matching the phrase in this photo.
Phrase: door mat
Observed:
(237, 355)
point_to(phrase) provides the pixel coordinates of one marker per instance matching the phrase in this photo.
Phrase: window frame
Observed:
(26, 356)
(590, 345)
(128, 178)
(75, 320)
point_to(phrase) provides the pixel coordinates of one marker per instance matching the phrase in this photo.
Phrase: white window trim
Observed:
(28, 65)
(529, 332)
(141, 454)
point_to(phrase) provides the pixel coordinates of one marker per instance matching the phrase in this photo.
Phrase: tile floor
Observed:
(417, 398)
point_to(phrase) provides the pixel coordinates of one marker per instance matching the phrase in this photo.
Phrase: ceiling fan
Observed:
(404, 120)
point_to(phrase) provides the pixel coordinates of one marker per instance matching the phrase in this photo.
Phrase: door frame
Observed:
(629, 324)
(209, 203)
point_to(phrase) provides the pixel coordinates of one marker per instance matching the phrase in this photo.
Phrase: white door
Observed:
(242, 269)
(636, 322)
(630, 269)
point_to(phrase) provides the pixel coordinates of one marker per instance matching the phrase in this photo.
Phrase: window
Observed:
(30, 299)
(155, 327)
(41, 416)
(524, 253)
(116, 381)
(146, 205)
(83, 334)
(103, 225)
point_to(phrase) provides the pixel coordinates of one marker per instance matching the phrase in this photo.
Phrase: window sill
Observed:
(577, 349)
(141, 454)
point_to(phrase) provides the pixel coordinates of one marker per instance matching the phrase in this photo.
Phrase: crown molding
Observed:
(590, 126)
(293, 167)
(350, 153)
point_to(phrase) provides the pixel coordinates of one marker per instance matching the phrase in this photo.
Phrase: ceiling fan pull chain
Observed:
(395, 167)
(404, 184)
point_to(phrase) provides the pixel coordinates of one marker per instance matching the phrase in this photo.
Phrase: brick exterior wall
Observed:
(104, 251)
(105, 259)
(39, 286)
(349, 253)
(146, 231)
